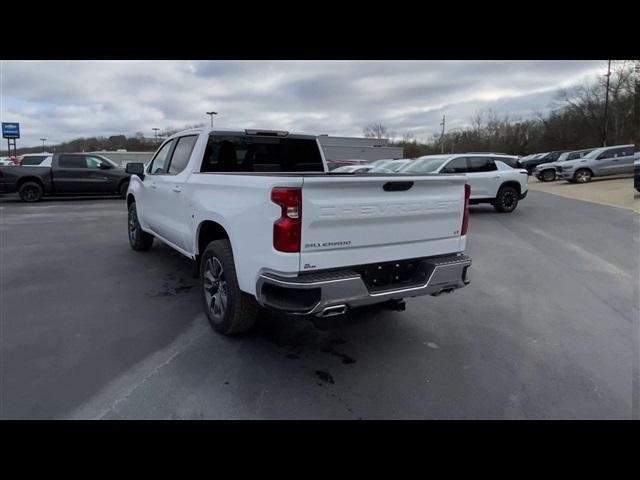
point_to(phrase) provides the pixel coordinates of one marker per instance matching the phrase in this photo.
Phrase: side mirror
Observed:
(135, 169)
(105, 166)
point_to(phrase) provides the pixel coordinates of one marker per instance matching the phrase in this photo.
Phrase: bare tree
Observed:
(375, 130)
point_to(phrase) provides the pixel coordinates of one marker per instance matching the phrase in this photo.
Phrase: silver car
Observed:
(600, 162)
(546, 172)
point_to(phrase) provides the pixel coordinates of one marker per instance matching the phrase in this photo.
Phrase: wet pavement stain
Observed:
(171, 287)
(346, 359)
(325, 376)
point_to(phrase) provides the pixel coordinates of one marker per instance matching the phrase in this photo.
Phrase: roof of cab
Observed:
(222, 131)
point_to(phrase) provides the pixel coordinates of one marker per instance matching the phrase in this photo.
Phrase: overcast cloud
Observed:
(65, 100)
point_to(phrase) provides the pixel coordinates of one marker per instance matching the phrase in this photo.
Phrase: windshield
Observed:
(424, 165)
(594, 153)
(381, 163)
(396, 166)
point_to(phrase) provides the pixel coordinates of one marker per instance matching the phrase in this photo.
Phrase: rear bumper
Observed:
(524, 195)
(317, 293)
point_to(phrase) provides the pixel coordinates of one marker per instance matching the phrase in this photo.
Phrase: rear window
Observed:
(481, 164)
(511, 161)
(37, 160)
(239, 153)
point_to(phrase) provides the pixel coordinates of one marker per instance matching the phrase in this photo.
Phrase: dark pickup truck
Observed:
(65, 174)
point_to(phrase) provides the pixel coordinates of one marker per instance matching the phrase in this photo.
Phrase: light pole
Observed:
(155, 131)
(211, 114)
(43, 140)
(606, 105)
(442, 136)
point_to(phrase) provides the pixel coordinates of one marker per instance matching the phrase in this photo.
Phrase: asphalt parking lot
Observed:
(547, 329)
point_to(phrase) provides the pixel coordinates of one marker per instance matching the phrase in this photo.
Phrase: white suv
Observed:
(492, 180)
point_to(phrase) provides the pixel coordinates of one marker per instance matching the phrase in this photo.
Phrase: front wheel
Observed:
(506, 200)
(582, 176)
(139, 240)
(229, 310)
(548, 176)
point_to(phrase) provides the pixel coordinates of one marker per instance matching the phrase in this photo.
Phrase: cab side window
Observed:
(72, 161)
(182, 154)
(160, 162)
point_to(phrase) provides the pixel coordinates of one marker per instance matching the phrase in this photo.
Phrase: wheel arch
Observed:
(584, 168)
(511, 183)
(21, 181)
(208, 231)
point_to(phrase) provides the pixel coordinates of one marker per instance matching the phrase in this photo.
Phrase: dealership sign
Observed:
(10, 130)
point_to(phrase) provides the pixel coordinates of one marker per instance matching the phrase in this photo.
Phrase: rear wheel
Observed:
(507, 200)
(30, 192)
(139, 240)
(548, 175)
(582, 176)
(229, 310)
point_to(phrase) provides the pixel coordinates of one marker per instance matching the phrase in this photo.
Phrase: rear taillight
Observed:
(287, 230)
(465, 215)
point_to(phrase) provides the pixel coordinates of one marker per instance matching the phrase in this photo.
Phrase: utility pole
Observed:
(442, 136)
(155, 131)
(211, 114)
(43, 140)
(606, 107)
(636, 134)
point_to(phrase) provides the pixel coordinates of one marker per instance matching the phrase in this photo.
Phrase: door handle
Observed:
(176, 188)
(497, 177)
(154, 186)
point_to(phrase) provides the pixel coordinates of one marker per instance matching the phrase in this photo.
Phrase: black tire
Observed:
(237, 311)
(507, 200)
(548, 176)
(30, 192)
(139, 240)
(582, 175)
(124, 186)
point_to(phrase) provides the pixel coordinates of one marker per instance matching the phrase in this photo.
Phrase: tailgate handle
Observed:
(397, 186)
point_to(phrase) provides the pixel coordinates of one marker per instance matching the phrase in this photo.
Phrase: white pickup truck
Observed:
(270, 227)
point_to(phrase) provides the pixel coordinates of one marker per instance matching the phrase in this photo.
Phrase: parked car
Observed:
(382, 163)
(270, 227)
(600, 162)
(333, 164)
(395, 165)
(532, 163)
(546, 172)
(4, 161)
(636, 175)
(64, 174)
(492, 181)
(354, 169)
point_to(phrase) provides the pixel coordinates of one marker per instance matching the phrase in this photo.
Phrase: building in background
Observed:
(355, 148)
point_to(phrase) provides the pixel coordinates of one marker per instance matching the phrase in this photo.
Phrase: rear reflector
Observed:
(465, 215)
(287, 230)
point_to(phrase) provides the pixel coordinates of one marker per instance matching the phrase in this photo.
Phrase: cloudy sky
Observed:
(65, 100)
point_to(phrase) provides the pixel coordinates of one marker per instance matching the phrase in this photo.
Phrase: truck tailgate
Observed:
(357, 220)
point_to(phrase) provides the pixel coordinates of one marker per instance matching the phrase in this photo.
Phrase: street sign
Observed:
(10, 130)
